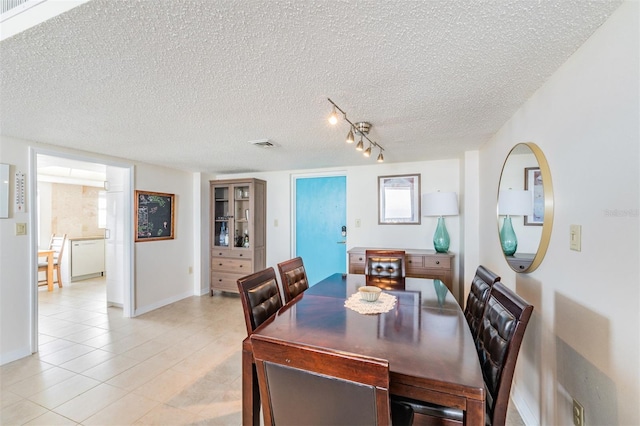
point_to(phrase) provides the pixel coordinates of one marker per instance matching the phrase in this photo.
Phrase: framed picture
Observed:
(399, 200)
(533, 183)
(155, 218)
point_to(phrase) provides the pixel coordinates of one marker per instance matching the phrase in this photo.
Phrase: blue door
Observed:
(321, 213)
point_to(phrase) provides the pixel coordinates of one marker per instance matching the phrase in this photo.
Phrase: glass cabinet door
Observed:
(222, 221)
(242, 215)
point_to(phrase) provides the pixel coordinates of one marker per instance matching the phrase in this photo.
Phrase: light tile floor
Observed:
(177, 365)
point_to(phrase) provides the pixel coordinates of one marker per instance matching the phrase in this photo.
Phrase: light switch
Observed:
(575, 235)
(357, 223)
(21, 229)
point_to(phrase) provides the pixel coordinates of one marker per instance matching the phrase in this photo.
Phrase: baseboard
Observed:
(8, 357)
(161, 303)
(526, 414)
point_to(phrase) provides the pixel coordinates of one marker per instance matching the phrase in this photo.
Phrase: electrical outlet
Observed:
(358, 223)
(190, 270)
(578, 413)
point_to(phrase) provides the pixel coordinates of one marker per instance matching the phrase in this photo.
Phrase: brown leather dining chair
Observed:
(481, 285)
(260, 297)
(385, 268)
(56, 243)
(301, 385)
(293, 277)
(500, 334)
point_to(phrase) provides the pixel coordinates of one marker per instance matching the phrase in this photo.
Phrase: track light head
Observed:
(367, 152)
(350, 136)
(360, 145)
(333, 117)
(380, 158)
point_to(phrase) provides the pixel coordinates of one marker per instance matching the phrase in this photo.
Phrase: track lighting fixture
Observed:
(361, 128)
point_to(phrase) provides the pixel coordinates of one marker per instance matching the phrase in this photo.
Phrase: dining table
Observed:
(432, 355)
(49, 254)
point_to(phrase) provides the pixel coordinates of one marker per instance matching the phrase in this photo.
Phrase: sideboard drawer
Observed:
(355, 259)
(240, 254)
(414, 262)
(231, 264)
(224, 281)
(437, 262)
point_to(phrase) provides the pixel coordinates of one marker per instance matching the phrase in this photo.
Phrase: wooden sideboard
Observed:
(419, 263)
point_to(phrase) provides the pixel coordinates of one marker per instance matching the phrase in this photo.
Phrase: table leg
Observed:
(50, 272)
(250, 390)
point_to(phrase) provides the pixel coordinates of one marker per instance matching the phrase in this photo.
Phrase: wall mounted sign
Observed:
(155, 218)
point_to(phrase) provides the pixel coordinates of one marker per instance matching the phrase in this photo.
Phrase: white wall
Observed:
(583, 338)
(362, 204)
(161, 267)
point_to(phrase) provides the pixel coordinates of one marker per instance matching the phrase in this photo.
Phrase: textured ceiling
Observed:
(186, 84)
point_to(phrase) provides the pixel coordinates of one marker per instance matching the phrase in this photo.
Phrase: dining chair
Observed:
(302, 385)
(260, 297)
(500, 334)
(293, 277)
(57, 245)
(385, 263)
(481, 285)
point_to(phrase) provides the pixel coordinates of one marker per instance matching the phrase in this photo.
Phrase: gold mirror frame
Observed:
(548, 205)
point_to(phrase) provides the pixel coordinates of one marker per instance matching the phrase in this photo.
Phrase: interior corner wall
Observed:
(469, 200)
(582, 341)
(162, 267)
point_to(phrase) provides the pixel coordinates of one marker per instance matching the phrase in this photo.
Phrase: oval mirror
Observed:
(525, 207)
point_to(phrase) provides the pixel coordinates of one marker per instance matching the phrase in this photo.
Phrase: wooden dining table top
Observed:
(425, 337)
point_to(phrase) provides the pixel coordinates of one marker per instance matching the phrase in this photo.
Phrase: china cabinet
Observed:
(238, 231)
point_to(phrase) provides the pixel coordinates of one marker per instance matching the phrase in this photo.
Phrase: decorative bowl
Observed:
(369, 293)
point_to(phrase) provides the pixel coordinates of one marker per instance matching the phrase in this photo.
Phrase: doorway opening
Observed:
(89, 200)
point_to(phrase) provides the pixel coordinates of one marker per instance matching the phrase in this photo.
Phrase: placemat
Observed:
(385, 303)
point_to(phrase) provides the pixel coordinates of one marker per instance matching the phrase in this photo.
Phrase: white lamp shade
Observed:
(440, 204)
(515, 202)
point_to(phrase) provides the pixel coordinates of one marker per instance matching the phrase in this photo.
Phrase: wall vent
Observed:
(264, 143)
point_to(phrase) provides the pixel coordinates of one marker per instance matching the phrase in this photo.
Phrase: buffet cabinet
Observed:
(237, 230)
(419, 263)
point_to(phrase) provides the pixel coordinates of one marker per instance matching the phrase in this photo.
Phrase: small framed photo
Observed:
(399, 200)
(533, 183)
(155, 218)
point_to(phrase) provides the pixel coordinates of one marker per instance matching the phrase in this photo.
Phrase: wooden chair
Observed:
(385, 268)
(293, 277)
(478, 296)
(57, 245)
(260, 297)
(500, 334)
(302, 385)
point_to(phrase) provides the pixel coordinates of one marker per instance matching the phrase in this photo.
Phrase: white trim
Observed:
(526, 414)
(162, 303)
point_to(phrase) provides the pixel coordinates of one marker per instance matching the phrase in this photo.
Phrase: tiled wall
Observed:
(74, 210)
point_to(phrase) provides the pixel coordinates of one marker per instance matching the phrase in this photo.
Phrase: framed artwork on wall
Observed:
(399, 200)
(155, 218)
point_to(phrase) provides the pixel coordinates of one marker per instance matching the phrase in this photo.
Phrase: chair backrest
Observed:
(478, 296)
(385, 263)
(260, 297)
(500, 335)
(57, 244)
(304, 385)
(293, 277)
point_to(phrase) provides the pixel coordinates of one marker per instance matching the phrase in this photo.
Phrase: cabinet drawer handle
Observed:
(219, 280)
(241, 254)
(437, 262)
(411, 261)
(241, 266)
(219, 264)
(359, 258)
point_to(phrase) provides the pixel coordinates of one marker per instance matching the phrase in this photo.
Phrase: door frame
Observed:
(294, 179)
(128, 296)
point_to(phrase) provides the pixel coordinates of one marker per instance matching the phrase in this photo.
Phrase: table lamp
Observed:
(440, 204)
(512, 202)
